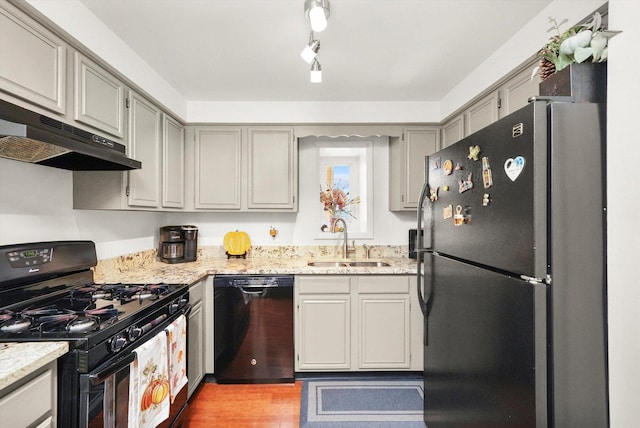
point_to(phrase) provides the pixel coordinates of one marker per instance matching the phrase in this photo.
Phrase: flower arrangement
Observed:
(575, 45)
(336, 201)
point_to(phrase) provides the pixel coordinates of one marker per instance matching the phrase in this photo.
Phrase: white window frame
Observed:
(359, 155)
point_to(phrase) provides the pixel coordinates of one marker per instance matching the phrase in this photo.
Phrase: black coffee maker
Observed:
(178, 244)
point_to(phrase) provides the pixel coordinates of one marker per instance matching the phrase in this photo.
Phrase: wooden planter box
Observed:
(586, 83)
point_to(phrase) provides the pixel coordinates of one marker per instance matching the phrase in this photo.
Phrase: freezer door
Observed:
(481, 366)
(489, 194)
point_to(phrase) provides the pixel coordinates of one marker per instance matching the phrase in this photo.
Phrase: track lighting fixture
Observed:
(311, 50)
(316, 72)
(317, 12)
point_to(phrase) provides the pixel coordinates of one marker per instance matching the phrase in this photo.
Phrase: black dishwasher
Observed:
(253, 329)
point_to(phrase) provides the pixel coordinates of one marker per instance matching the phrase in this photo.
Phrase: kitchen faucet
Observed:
(345, 244)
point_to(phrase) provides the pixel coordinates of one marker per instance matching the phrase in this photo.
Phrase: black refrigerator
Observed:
(512, 272)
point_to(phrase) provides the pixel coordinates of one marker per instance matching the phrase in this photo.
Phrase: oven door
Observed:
(104, 392)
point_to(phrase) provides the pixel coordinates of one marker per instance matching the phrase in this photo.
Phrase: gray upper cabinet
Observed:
(156, 140)
(144, 145)
(99, 97)
(172, 163)
(453, 131)
(32, 61)
(218, 168)
(272, 169)
(407, 165)
(481, 113)
(516, 91)
(245, 169)
(511, 95)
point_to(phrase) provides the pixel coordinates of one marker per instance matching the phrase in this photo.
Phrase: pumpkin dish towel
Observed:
(149, 384)
(177, 344)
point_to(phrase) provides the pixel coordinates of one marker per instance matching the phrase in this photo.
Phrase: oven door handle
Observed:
(187, 310)
(105, 371)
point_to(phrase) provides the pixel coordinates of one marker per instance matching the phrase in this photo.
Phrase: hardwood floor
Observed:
(239, 406)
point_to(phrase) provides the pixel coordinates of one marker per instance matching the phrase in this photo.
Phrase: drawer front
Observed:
(323, 285)
(383, 284)
(29, 403)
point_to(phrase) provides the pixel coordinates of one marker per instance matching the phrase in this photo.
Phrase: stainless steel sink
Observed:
(368, 264)
(347, 264)
(328, 264)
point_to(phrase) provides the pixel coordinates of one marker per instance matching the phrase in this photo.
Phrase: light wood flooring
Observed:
(251, 406)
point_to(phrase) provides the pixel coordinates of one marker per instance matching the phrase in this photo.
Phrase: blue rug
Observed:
(375, 403)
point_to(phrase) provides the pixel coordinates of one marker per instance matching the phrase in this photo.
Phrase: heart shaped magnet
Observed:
(514, 167)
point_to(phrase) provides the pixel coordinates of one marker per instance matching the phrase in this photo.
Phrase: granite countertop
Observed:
(18, 360)
(189, 273)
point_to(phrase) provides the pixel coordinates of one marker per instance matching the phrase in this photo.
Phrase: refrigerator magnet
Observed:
(447, 212)
(447, 166)
(486, 199)
(435, 164)
(514, 167)
(458, 218)
(487, 178)
(474, 151)
(464, 185)
(458, 166)
(466, 215)
(433, 194)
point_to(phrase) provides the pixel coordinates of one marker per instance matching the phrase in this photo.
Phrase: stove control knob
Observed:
(118, 342)
(134, 332)
(177, 304)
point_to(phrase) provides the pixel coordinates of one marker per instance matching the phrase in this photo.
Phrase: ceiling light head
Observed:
(317, 12)
(316, 72)
(311, 50)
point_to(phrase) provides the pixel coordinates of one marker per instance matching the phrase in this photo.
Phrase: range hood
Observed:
(31, 137)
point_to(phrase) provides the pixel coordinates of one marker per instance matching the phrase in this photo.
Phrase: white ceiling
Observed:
(372, 50)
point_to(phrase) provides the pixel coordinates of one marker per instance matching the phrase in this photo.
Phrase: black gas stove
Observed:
(47, 293)
(80, 311)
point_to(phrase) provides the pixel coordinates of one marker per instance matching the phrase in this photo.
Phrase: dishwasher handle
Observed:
(255, 291)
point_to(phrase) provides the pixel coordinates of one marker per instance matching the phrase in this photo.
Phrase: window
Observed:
(345, 181)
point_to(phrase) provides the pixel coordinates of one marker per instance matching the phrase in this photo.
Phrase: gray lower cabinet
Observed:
(322, 323)
(31, 401)
(384, 323)
(357, 323)
(196, 339)
(32, 60)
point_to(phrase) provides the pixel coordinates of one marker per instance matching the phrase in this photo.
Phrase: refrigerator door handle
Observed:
(420, 251)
